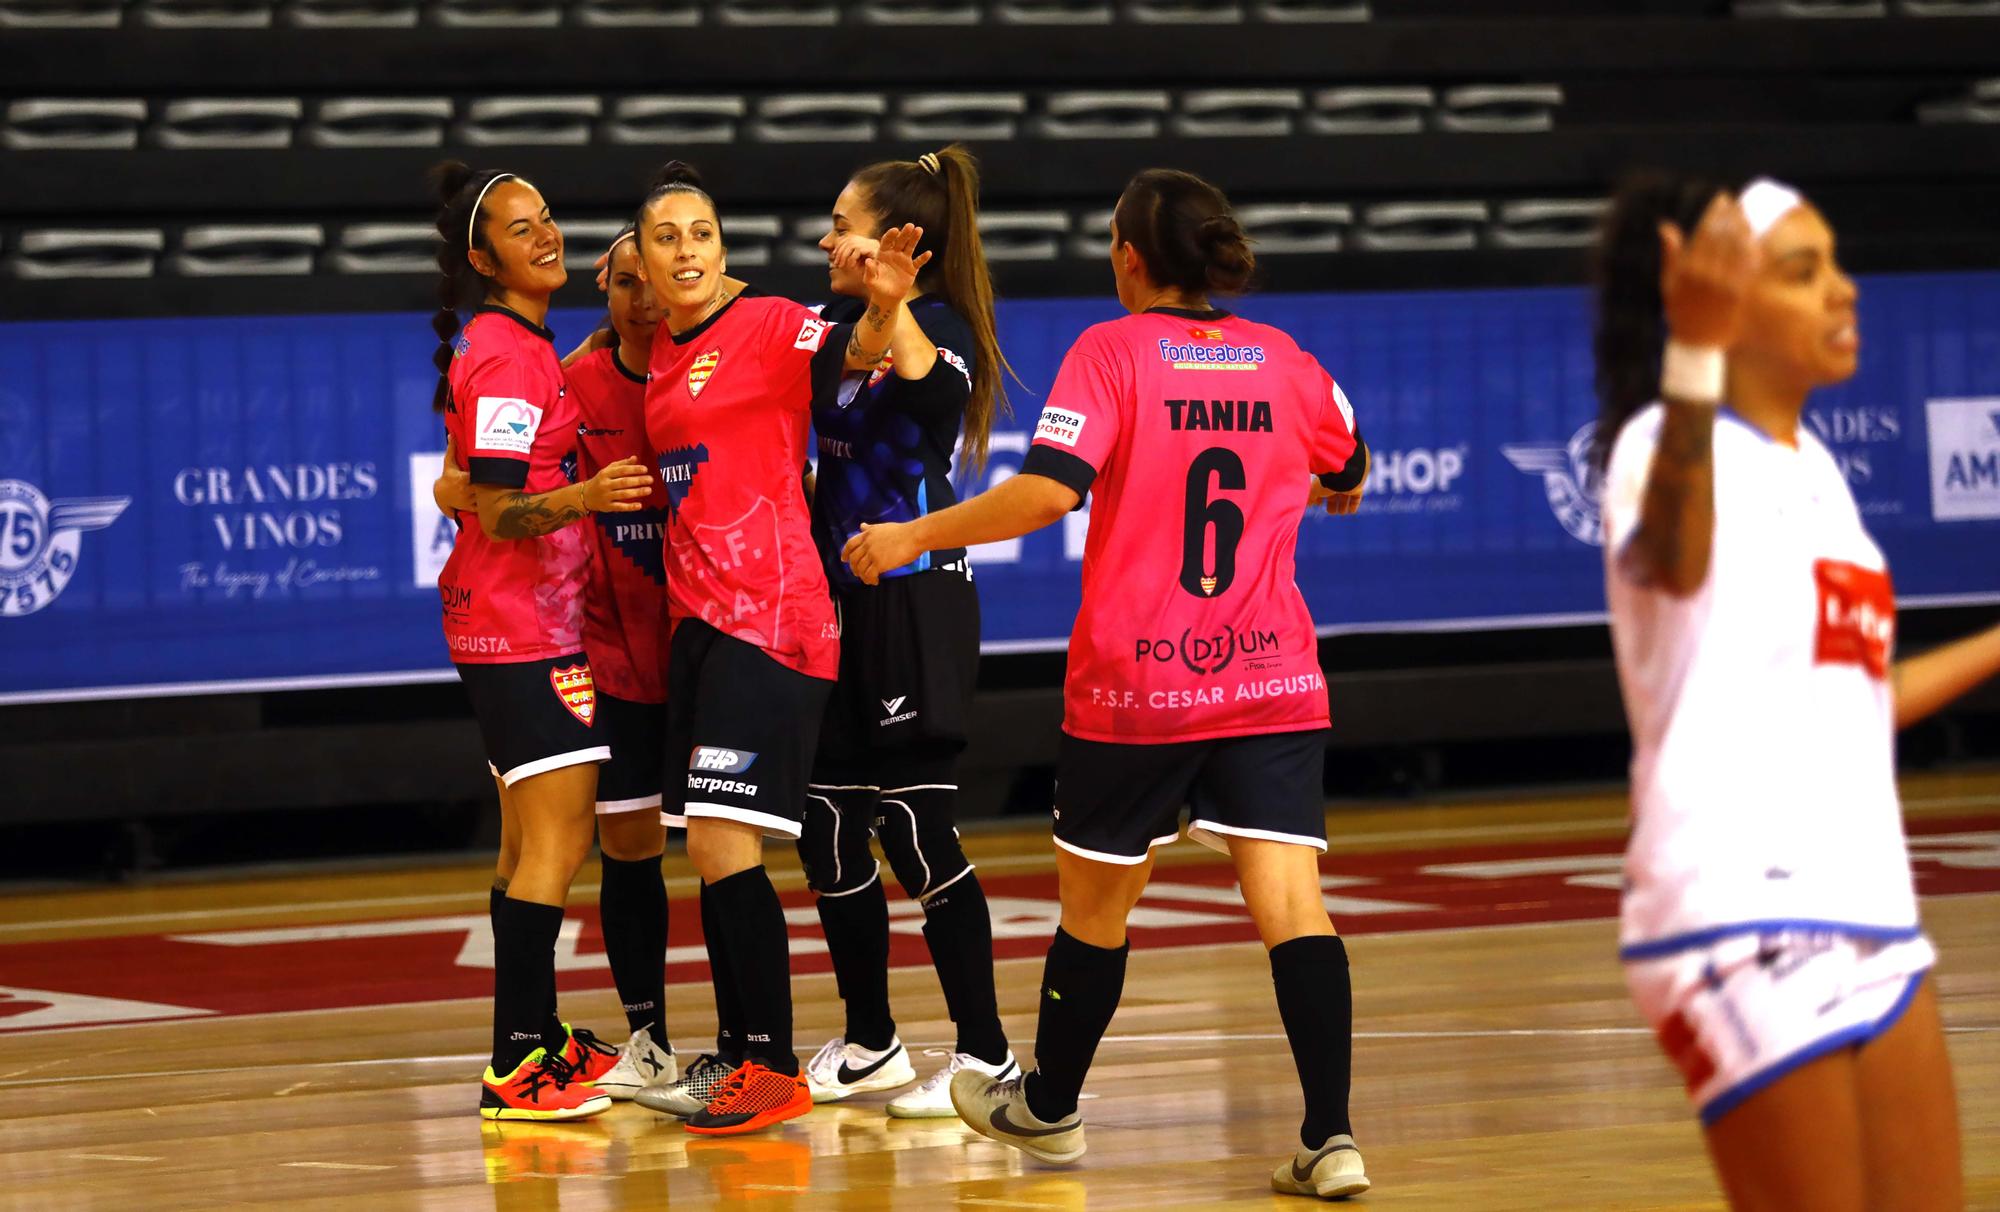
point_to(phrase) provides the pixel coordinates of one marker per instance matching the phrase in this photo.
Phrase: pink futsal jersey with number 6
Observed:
(1201, 430)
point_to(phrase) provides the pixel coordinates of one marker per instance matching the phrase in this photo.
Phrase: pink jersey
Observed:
(511, 599)
(625, 601)
(1195, 434)
(728, 407)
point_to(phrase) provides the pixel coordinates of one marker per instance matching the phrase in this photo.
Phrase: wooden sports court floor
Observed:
(311, 1039)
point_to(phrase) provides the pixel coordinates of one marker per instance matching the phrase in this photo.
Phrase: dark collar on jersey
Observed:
(620, 364)
(1188, 313)
(682, 338)
(516, 317)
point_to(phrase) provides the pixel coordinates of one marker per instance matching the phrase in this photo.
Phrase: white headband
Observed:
(472, 220)
(1765, 201)
(623, 236)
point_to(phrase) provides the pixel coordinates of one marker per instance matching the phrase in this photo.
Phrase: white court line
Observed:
(1467, 833)
(333, 1166)
(118, 1157)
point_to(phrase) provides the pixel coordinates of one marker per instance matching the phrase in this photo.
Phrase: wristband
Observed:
(1692, 374)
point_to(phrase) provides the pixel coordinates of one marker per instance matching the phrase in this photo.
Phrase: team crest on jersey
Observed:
(1208, 587)
(1857, 617)
(882, 372)
(575, 691)
(1205, 334)
(703, 370)
(41, 541)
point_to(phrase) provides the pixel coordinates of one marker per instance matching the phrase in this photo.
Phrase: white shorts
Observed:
(1737, 1014)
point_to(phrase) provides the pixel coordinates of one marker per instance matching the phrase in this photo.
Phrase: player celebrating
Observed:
(909, 646)
(512, 591)
(1236, 727)
(755, 643)
(1770, 930)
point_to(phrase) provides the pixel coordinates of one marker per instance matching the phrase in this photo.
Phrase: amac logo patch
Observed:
(505, 424)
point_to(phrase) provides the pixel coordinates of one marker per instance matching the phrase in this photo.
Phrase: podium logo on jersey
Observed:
(41, 541)
(1857, 617)
(575, 691)
(703, 370)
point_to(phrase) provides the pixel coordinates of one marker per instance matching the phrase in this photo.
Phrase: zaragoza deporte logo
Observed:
(41, 541)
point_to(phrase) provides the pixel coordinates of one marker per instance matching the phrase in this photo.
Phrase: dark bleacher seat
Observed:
(1090, 235)
(1371, 110)
(228, 122)
(529, 121)
(497, 14)
(379, 122)
(1547, 223)
(351, 14)
(1302, 11)
(1812, 8)
(819, 117)
(1979, 103)
(1182, 12)
(385, 248)
(242, 249)
(584, 240)
(1283, 228)
(1034, 235)
(792, 13)
(1500, 108)
(667, 121)
(95, 123)
(1238, 113)
(1092, 114)
(61, 14)
(70, 252)
(920, 12)
(1948, 8)
(943, 117)
(204, 14)
(1421, 226)
(623, 14)
(1053, 12)
(752, 239)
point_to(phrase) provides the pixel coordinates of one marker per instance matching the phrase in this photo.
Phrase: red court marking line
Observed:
(416, 959)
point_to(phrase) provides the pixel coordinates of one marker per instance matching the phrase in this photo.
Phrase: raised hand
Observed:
(1705, 278)
(852, 250)
(889, 274)
(619, 488)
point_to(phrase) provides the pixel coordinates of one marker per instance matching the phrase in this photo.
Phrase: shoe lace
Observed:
(944, 1075)
(733, 1085)
(553, 1070)
(828, 1057)
(587, 1040)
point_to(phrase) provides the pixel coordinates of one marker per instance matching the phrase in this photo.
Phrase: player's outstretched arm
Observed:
(1704, 279)
(888, 276)
(1024, 503)
(1929, 682)
(509, 513)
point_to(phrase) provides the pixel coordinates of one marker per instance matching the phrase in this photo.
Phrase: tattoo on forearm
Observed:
(525, 517)
(860, 357)
(1678, 513)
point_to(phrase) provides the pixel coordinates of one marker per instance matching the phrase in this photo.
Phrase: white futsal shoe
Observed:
(842, 1070)
(932, 1100)
(1332, 1171)
(998, 1110)
(641, 1063)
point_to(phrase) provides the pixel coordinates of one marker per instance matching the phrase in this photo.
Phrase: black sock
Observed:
(857, 939)
(633, 904)
(722, 976)
(959, 930)
(1316, 1001)
(1081, 985)
(753, 931)
(524, 960)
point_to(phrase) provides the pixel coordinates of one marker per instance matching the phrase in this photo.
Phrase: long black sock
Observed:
(857, 939)
(524, 956)
(632, 901)
(1316, 1002)
(753, 931)
(722, 975)
(959, 929)
(1081, 985)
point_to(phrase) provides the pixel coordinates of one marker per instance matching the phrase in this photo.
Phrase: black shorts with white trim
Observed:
(909, 661)
(1115, 802)
(747, 727)
(535, 716)
(637, 734)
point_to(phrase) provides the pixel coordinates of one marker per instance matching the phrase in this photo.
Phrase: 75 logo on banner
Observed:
(41, 541)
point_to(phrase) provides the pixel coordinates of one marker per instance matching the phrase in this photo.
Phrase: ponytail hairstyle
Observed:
(461, 194)
(676, 177)
(939, 192)
(1631, 335)
(1185, 232)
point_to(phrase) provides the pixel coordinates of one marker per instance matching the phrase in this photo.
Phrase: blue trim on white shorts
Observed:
(1732, 1098)
(1675, 944)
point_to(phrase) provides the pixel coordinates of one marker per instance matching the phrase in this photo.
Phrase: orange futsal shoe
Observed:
(588, 1056)
(751, 1098)
(541, 1087)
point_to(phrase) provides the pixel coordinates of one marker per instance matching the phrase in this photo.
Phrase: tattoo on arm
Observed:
(858, 357)
(524, 516)
(1670, 548)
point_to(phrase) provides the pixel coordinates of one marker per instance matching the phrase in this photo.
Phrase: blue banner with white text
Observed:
(208, 505)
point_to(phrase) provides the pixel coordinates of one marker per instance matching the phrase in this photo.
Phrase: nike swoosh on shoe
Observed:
(1006, 1125)
(1304, 1173)
(847, 1077)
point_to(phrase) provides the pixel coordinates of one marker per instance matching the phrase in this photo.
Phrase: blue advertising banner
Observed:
(211, 505)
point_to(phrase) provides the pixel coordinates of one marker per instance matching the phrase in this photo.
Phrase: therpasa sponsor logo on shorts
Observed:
(710, 761)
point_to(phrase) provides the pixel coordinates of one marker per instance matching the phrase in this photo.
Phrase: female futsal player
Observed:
(909, 645)
(1770, 930)
(511, 593)
(755, 643)
(1196, 513)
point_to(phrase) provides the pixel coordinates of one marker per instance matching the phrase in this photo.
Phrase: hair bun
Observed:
(447, 178)
(675, 172)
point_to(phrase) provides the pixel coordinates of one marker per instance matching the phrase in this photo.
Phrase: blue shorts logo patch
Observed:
(709, 758)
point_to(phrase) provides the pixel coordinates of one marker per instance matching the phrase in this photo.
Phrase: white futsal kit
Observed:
(1769, 915)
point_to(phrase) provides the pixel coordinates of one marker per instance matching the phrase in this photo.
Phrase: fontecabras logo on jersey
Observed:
(677, 468)
(41, 541)
(1571, 480)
